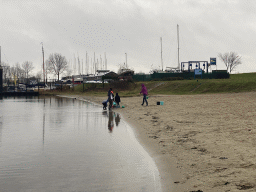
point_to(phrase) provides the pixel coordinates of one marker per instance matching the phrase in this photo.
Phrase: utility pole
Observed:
(178, 47)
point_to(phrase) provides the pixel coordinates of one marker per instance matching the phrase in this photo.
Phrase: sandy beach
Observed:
(199, 142)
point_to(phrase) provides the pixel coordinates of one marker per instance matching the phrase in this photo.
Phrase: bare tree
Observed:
(6, 71)
(13, 74)
(231, 60)
(19, 71)
(38, 76)
(58, 64)
(16, 71)
(27, 67)
(48, 69)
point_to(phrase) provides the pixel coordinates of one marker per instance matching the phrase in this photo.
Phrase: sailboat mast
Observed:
(94, 63)
(43, 63)
(178, 47)
(74, 66)
(86, 64)
(82, 67)
(78, 63)
(105, 62)
(100, 62)
(161, 54)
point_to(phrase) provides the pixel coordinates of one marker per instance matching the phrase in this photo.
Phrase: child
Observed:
(105, 104)
(117, 99)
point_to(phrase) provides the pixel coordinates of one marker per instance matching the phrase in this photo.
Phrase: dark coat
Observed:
(117, 98)
(110, 92)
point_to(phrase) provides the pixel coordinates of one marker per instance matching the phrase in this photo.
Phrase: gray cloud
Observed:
(133, 27)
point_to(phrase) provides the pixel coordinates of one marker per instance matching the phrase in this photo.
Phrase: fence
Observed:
(222, 74)
(142, 77)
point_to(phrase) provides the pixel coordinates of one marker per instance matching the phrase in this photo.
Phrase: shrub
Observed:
(172, 78)
(121, 85)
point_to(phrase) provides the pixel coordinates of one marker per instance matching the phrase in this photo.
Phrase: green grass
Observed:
(245, 82)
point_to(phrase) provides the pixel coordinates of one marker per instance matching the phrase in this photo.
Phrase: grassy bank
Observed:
(245, 82)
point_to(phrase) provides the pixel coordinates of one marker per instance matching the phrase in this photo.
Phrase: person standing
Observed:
(145, 93)
(110, 97)
(117, 99)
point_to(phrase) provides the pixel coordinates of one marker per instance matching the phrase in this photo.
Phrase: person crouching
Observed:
(105, 104)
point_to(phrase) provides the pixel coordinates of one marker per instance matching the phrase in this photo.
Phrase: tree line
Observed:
(17, 72)
(55, 64)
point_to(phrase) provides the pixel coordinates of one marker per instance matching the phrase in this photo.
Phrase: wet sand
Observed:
(199, 142)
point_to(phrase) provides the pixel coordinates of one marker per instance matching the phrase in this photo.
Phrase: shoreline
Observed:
(151, 147)
(199, 142)
(166, 164)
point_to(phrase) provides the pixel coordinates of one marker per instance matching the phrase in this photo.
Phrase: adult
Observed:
(110, 97)
(145, 93)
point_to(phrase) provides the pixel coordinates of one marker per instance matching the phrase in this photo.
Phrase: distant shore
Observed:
(199, 142)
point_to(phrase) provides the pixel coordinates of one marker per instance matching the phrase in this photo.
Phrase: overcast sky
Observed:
(116, 27)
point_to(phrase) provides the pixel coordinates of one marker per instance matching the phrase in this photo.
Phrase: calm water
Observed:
(61, 144)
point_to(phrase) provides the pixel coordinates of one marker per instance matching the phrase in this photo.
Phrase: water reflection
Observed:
(111, 116)
(43, 127)
(1, 130)
(1, 119)
(78, 153)
(110, 121)
(117, 119)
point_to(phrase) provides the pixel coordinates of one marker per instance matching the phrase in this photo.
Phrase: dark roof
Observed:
(110, 75)
(127, 73)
